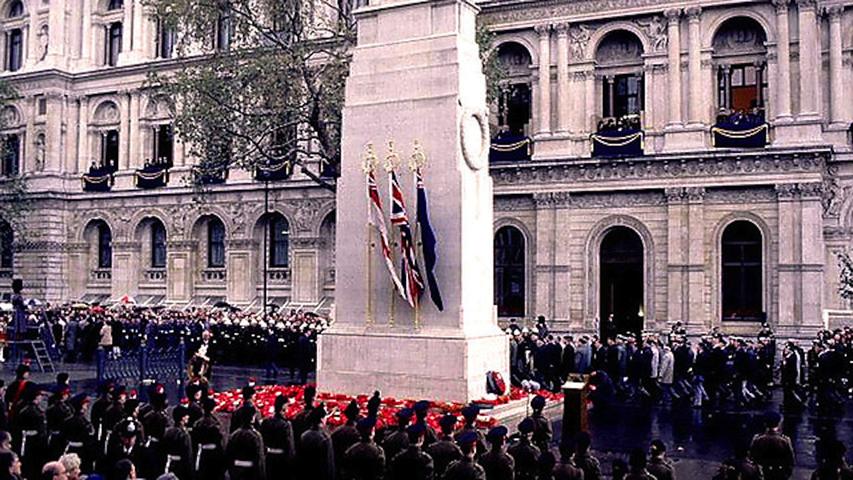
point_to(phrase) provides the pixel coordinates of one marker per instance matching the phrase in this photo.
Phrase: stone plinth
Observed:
(416, 75)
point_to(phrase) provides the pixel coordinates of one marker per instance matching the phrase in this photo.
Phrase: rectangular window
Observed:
(113, 44)
(42, 106)
(11, 156)
(163, 145)
(215, 245)
(105, 247)
(14, 50)
(165, 40)
(158, 246)
(223, 31)
(623, 95)
(109, 150)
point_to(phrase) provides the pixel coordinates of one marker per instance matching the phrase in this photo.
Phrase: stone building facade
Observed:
(691, 228)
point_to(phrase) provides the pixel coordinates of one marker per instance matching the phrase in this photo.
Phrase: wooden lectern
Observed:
(574, 407)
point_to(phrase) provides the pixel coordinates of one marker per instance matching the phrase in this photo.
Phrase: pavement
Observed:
(697, 441)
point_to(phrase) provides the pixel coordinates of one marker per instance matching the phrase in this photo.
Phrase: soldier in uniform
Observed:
(57, 413)
(155, 423)
(421, 409)
(469, 414)
(772, 450)
(659, 466)
(445, 451)
(541, 425)
(176, 445)
(525, 454)
(79, 434)
(16, 388)
(467, 468)
(398, 440)
(194, 394)
(114, 413)
(566, 469)
(207, 441)
(497, 464)
(346, 435)
(300, 421)
(100, 405)
(413, 463)
(315, 455)
(247, 409)
(245, 451)
(28, 431)
(365, 460)
(278, 440)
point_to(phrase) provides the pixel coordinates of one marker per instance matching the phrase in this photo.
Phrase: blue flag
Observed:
(430, 243)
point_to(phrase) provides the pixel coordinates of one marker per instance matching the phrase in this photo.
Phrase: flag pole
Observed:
(391, 162)
(416, 163)
(369, 165)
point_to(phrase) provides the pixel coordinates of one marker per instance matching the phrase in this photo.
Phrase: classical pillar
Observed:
(53, 133)
(303, 269)
(694, 66)
(673, 17)
(138, 28)
(563, 101)
(544, 32)
(836, 71)
(542, 263)
(83, 153)
(676, 252)
(180, 271)
(241, 268)
(32, 42)
(783, 54)
(812, 258)
(134, 140)
(695, 266)
(576, 103)
(124, 130)
(611, 102)
(589, 95)
(789, 287)
(72, 139)
(56, 30)
(125, 270)
(127, 34)
(809, 58)
(86, 33)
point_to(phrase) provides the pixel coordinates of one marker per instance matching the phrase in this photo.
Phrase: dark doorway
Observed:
(741, 272)
(509, 272)
(621, 262)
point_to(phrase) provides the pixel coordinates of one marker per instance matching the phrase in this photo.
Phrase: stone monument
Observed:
(416, 75)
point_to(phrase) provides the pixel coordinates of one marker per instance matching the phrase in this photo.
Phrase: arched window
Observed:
(515, 100)
(109, 150)
(509, 272)
(115, 5)
(279, 241)
(740, 56)
(215, 243)
(14, 50)
(7, 239)
(742, 272)
(158, 245)
(11, 165)
(112, 44)
(105, 246)
(16, 9)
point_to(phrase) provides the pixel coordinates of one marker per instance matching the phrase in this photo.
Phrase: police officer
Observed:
(277, 433)
(413, 463)
(497, 464)
(525, 454)
(177, 446)
(207, 441)
(445, 451)
(346, 435)
(314, 453)
(79, 434)
(365, 460)
(772, 450)
(466, 468)
(245, 451)
(124, 445)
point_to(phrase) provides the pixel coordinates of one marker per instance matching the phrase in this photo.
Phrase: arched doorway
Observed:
(509, 272)
(622, 283)
(742, 282)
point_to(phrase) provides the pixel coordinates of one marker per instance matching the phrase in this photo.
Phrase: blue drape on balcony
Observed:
(98, 179)
(740, 131)
(152, 176)
(510, 148)
(272, 173)
(626, 142)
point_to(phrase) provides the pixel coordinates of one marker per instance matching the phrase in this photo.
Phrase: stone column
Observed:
(77, 262)
(134, 139)
(72, 139)
(783, 53)
(127, 25)
(576, 103)
(83, 153)
(542, 263)
(694, 67)
(241, 268)
(673, 17)
(544, 32)
(696, 304)
(810, 59)
(138, 29)
(86, 45)
(589, 94)
(812, 257)
(124, 130)
(53, 133)
(676, 250)
(788, 307)
(563, 101)
(836, 70)
(180, 270)
(305, 287)
(56, 50)
(125, 271)
(32, 42)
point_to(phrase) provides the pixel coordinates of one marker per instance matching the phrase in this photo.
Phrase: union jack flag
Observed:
(413, 283)
(376, 218)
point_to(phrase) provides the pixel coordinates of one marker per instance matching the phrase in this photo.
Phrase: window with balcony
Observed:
(11, 165)
(279, 241)
(112, 43)
(158, 245)
(165, 40)
(105, 246)
(109, 150)
(163, 145)
(14, 50)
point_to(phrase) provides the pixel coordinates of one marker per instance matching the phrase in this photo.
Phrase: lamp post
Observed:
(266, 236)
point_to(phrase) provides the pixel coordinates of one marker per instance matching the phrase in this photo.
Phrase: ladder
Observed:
(42, 356)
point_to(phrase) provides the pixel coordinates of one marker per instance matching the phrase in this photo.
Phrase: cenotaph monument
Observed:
(416, 76)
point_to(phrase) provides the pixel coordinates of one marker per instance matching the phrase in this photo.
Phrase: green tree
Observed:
(269, 88)
(14, 201)
(845, 281)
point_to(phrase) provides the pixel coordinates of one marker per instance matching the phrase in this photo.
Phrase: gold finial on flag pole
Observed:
(418, 160)
(369, 162)
(369, 159)
(392, 160)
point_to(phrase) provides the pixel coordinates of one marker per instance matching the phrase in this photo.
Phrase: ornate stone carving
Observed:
(523, 11)
(562, 29)
(306, 213)
(833, 194)
(179, 215)
(693, 13)
(551, 199)
(543, 29)
(579, 36)
(10, 117)
(781, 5)
(618, 199)
(674, 194)
(834, 12)
(802, 4)
(786, 190)
(740, 195)
(655, 28)
(306, 242)
(512, 203)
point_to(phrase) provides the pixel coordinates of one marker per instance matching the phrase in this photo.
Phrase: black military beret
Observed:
(497, 433)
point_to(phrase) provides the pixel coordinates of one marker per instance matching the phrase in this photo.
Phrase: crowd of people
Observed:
(117, 437)
(285, 338)
(711, 371)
